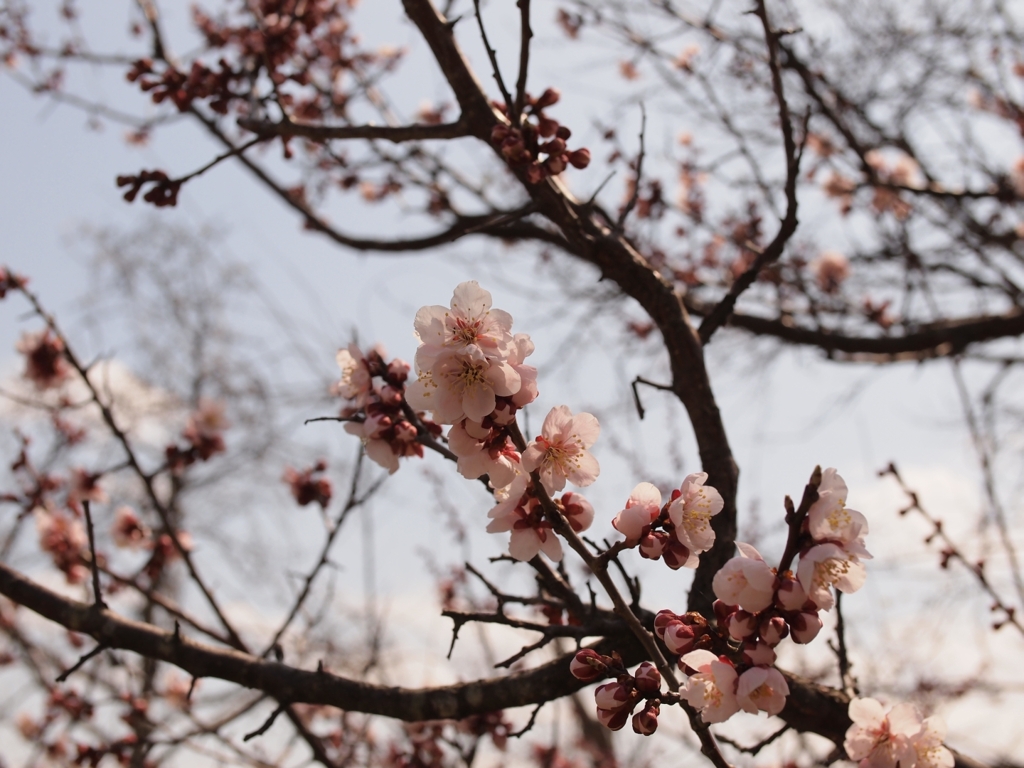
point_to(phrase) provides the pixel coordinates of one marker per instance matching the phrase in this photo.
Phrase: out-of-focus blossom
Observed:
(129, 531)
(84, 486)
(522, 347)
(830, 270)
(204, 428)
(356, 381)
(64, 539)
(560, 452)
(45, 364)
(306, 488)
(745, 580)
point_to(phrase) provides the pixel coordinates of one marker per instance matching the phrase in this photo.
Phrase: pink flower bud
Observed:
(554, 147)
(676, 555)
(791, 595)
(550, 97)
(653, 544)
(588, 665)
(547, 127)
(612, 719)
(806, 627)
(535, 174)
(679, 638)
(612, 696)
(648, 679)
(723, 610)
(774, 630)
(740, 625)
(662, 620)
(580, 158)
(759, 654)
(555, 164)
(645, 722)
(398, 371)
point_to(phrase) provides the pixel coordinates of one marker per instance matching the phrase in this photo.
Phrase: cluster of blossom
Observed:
(306, 488)
(899, 738)
(680, 530)
(472, 374)
(758, 607)
(522, 146)
(377, 410)
(617, 700)
(204, 434)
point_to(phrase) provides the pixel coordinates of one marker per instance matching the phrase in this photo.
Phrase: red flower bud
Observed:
(580, 158)
(645, 722)
(588, 665)
(548, 98)
(648, 679)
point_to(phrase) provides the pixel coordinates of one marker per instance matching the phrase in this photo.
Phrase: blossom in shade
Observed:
(462, 385)
(483, 451)
(745, 580)
(712, 689)
(642, 508)
(827, 565)
(385, 439)
(560, 452)
(791, 595)
(758, 653)
(762, 689)
(645, 722)
(45, 365)
(518, 510)
(880, 739)
(469, 323)
(805, 627)
(829, 519)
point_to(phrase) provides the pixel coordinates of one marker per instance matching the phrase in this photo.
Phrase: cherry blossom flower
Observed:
(128, 531)
(712, 690)
(483, 451)
(829, 519)
(470, 323)
(642, 508)
(745, 580)
(518, 510)
(827, 565)
(691, 511)
(356, 381)
(560, 452)
(45, 365)
(522, 348)
(385, 439)
(762, 689)
(880, 739)
(927, 743)
(463, 385)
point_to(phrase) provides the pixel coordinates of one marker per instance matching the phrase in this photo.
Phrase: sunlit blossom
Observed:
(712, 690)
(642, 508)
(560, 452)
(828, 565)
(762, 689)
(469, 322)
(691, 512)
(745, 580)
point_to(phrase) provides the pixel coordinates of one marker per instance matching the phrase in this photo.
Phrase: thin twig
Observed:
(97, 594)
(81, 662)
(633, 198)
(493, 56)
(524, 58)
(266, 725)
